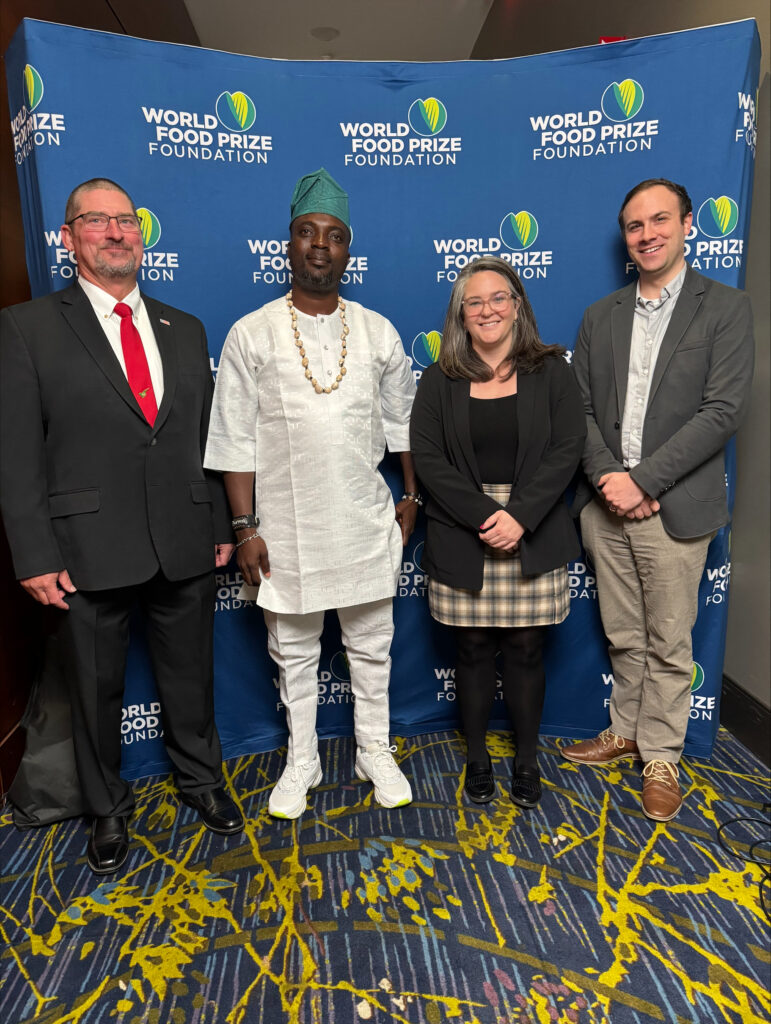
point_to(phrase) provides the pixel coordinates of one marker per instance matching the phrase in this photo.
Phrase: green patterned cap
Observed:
(319, 193)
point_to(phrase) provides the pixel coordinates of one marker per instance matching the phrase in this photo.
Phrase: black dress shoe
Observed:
(108, 845)
(479, 784)
(216, 810)
(526, 787)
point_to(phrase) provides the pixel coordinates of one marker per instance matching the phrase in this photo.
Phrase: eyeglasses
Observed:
(128, 222)
(497, 303)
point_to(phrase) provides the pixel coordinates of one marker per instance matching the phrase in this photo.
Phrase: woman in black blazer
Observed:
(497, 432)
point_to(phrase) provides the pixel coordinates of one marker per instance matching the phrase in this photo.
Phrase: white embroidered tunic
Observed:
(326, 513)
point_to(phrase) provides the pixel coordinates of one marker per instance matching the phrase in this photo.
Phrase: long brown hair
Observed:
(457, 357)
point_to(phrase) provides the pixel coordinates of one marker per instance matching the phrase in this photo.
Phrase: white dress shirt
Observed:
(651, 319)
(104, 305)
(327, 514)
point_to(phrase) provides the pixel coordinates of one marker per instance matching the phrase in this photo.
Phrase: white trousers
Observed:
(294, 643)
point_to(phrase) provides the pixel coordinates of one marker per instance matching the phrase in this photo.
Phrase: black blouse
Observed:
(495, 437)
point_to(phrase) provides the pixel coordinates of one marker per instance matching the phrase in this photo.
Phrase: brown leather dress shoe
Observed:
(661, 798)
(602, 749)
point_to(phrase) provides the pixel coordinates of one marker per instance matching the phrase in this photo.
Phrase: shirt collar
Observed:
(104, 304)
(669, 291)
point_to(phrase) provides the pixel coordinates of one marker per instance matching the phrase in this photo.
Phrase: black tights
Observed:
(523, 685)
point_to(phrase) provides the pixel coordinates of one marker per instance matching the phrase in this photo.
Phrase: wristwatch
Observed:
(246, 522)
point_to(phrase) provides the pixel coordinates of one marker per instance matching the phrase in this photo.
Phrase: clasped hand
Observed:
(625, 498)
(500, 530)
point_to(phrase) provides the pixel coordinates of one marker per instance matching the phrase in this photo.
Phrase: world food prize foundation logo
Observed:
(427, 117)
(517, 234)
(574, 134)
(716, 219)
(273, 262)
(235, 111)
(334, 683)
(413, 581)
(519, 230)
(156, 265)
(150, 227)
(702, 708)
(140, 722)
(390, 144)
(425, 349)
(622, 100)
(31, 126)
(225, 138)
(33, 87)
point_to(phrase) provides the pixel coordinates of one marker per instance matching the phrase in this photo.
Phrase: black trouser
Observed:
(94, 637)
(523, 685)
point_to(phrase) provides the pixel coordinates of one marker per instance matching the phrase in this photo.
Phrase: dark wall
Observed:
(22, 622)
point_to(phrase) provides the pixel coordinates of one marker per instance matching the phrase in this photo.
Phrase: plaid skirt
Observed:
(507, 598)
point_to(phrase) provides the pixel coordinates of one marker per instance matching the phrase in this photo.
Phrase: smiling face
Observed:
(489, 313)
(318, 252)
(109, 258)
(655, 233)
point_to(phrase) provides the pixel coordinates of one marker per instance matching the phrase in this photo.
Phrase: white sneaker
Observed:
(376, 763)
(289, 795)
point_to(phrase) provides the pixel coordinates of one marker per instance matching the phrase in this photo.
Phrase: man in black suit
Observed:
(665, 368)
(104, 408)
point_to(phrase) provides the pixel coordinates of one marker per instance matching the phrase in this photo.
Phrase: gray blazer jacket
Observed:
(699, 393)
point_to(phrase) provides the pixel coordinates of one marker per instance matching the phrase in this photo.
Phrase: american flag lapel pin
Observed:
(165, 322)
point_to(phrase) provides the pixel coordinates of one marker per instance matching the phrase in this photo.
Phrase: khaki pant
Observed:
(294, 643)
(648, 588)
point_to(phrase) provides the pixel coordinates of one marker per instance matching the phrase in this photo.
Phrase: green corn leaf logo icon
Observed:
(622, 100)
(33, 87)
(150, 226)
(427, 117)
(425, 348)
(697, 677)
(717, 217)
(235, 111)
(519, 230)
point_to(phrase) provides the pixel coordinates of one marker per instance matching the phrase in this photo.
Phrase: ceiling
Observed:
(342, 29)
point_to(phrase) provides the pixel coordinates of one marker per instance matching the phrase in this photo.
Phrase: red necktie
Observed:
(137, 370)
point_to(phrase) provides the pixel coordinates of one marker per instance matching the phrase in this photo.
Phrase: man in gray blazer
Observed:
(665, 367)
(104, 407)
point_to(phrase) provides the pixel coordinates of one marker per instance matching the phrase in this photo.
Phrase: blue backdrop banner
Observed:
(526, 158)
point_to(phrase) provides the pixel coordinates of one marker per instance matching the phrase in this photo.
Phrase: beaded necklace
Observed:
(343, 351)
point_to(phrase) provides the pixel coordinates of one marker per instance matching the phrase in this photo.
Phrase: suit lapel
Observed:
(621, 322)
(460, 400)
(688, 302)
(166, 339)
(79, 314)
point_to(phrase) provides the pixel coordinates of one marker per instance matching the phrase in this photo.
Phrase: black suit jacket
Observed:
(86, 484)
(700, 390)
(551, 437)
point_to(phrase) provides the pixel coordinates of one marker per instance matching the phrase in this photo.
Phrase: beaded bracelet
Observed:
(246, 540)
(413, 496)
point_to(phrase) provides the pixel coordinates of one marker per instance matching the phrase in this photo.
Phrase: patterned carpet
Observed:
(581, 912)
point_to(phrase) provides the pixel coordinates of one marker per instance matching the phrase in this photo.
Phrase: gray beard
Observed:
(116, 270)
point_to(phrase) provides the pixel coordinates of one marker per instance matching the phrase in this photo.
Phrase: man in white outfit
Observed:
(310, 390)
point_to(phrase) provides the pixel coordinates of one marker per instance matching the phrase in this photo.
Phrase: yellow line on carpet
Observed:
(407, 929)
(761, 954)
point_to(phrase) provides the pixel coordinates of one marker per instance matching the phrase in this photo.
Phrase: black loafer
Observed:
(108, 844)
(216, 810)
(526, 787)
(479, 784)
